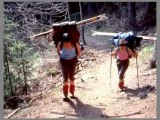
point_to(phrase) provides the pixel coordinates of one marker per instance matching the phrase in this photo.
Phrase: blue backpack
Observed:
(132, 40)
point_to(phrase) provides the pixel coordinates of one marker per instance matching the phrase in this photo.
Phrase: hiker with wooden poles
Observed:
(122, 54)
(65, 36)
(68, 53)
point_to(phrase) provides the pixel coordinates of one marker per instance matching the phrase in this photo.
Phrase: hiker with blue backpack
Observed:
(123, 53)
(68, 53)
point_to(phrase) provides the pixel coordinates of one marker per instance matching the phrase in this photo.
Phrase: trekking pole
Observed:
(110, 66)
(137, 72)
(137, 65)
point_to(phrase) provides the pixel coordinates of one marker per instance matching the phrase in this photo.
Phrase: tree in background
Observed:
(150, 14)
(34, 17)
(147, 15)
(18, 61)
(132, 15)
(8, 74)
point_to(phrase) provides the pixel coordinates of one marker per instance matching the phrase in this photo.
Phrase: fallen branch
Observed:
(86, 59)
(40, 95)
(51, 60)
(12, 113)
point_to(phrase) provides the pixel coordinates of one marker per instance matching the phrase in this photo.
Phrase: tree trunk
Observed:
(131, 15)
(68, 9)
(8, 70)
(82, 28)
(150, 15)
(24, 76)
(119, 10)
(149, 18)
(90, 9)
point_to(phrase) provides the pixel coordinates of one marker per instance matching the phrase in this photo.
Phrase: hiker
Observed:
(123, 53)
(69, 54)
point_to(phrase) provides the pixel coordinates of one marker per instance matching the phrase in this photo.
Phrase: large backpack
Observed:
(132, 40)
(65, 27)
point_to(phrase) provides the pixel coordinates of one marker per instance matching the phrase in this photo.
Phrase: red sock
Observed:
(121, 84)
(65, 90)
(72, 89)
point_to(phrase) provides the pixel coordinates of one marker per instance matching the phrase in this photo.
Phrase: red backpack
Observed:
(65, 27)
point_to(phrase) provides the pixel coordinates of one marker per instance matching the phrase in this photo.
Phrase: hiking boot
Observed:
(73, 97)
(121, 84)
(66, 99)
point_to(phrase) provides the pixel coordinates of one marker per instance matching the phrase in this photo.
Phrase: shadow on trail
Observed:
(140, 92)
(86, 111)
(82, 110)
(132, 92)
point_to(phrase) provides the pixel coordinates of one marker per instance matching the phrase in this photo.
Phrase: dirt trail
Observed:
(96, 98)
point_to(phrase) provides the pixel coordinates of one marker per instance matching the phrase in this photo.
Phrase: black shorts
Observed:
(122, 66)
(68, 68)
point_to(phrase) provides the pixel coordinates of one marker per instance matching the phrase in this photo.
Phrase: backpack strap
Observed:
(127, 50)
(129, 56)
(118, 49)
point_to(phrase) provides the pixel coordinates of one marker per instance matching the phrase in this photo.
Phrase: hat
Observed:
(122, 42)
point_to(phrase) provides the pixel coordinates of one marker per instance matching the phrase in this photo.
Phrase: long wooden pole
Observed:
(79, 24)
(94, 33)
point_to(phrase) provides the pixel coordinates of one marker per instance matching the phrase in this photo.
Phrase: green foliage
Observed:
(18, 60)
(21, 59)
(9, 29)
(147, 52)
(9, 26)
(148, 49)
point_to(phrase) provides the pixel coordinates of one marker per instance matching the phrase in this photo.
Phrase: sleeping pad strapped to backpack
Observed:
(132, 40)
(65, 27)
